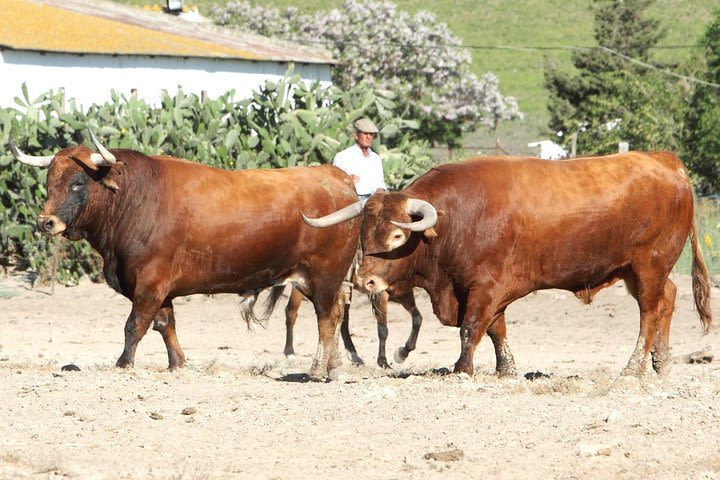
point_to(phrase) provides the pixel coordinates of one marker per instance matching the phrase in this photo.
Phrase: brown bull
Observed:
(166, 227)
(480, 234)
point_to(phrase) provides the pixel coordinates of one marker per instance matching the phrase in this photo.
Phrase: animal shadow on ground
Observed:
(299, 378)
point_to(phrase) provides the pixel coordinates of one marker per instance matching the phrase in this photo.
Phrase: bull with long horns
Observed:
(167, 227)
(480, 234)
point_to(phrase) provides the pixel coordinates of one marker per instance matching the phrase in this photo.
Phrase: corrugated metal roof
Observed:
(94, 26)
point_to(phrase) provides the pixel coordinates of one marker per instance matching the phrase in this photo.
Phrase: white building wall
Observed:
(89, 78)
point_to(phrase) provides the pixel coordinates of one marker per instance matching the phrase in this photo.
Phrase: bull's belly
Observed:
(237, 283)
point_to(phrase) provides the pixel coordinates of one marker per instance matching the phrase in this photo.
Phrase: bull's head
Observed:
(71, 173)
(393, 225)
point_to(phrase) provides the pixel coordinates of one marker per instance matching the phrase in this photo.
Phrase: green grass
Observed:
(534, 29)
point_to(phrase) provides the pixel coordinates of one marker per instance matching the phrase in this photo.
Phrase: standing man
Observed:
(362, 164)
(365, 168)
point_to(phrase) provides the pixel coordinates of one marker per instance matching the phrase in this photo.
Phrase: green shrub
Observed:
(285, 123)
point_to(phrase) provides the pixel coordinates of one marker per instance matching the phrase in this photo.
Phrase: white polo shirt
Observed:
(369, 169)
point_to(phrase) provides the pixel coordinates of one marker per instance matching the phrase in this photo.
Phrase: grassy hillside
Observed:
(512, 38)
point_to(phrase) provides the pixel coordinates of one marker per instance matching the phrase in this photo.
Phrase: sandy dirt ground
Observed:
(240, 409)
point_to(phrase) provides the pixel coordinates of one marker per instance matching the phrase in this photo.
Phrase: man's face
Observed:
(364, 139)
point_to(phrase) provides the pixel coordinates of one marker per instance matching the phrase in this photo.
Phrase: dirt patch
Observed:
(240, 409)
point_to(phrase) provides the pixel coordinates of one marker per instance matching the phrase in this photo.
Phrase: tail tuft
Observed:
(700, 284)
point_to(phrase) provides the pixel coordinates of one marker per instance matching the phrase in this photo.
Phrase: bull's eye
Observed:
(77, 186)
(398, 236)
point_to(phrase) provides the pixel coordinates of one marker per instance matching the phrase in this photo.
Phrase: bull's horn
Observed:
(421, 208)
(27, 159)
(104, 158)
(351, 211)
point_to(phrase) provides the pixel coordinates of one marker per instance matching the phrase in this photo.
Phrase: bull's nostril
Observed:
(45, 224)
(370, 285)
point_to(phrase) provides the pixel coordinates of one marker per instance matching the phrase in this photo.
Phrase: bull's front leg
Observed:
(474, 325)
(347, 338)
(379, 303)
(142, 314)
(408, 302)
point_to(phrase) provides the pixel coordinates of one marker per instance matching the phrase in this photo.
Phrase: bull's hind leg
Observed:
(408, 302)
(504, 361)
(347, 339)
(291, 313)
(165, 324)
(327, 357)
(345, 326)
(648, 291)
(661, 352)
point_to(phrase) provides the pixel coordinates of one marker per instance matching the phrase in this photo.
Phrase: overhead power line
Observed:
(558, 48)
(657, 69)
(531, 48)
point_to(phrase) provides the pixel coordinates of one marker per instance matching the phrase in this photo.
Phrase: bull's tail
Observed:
(700, 284)
(247, 306)
(272, 299)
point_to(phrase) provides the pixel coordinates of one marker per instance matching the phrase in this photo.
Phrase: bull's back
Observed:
(581, 217)
(241, 230)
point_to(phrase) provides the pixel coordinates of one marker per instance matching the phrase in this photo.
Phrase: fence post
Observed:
(62, 99)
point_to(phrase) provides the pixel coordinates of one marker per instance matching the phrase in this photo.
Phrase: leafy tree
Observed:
(702, 123)
(617, 94)
(415, 57)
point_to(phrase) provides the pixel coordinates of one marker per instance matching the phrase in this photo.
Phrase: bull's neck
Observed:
(112, 215)
(118, 224)
(432, 276)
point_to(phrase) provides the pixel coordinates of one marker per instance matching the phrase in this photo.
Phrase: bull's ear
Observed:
(430, 233)
(106, 176)
(86, 162)
(110, 183)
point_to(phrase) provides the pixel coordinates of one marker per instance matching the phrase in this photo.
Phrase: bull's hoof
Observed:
(337, 374)
(631, 371)
(121, 363)
(401, 354)
(174, 366)
(316, 377)
(464, 369)
(383, 363)
(506, 371)
(176, 361)
(355, 358)
(662, 362)
(318, 373)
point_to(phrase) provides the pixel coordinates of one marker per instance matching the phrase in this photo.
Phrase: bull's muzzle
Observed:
(50, 224)
(370, 283)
